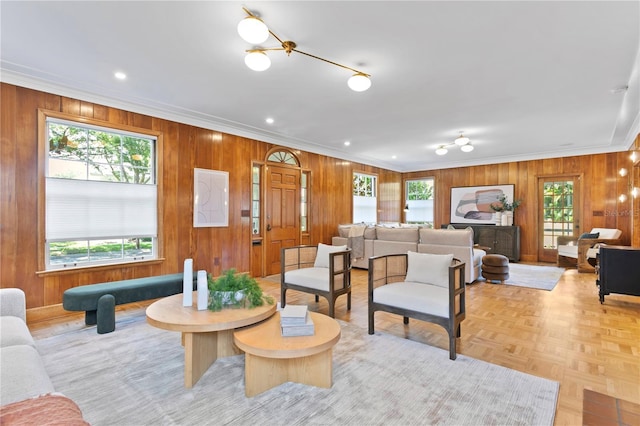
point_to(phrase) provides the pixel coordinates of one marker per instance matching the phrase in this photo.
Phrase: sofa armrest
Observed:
(13, 303)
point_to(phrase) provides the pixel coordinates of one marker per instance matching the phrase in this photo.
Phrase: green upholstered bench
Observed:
(99, 300)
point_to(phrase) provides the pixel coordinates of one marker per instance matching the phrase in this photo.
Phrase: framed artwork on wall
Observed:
(210, 198)
(472, 204)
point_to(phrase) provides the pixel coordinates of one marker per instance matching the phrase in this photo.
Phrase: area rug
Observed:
(534, 276)
(134, 376)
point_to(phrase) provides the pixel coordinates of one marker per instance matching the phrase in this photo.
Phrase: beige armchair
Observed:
(321, 270)
(572, 250)
(427, 287)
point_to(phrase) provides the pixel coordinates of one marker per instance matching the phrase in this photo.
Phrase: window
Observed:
(256, 172)
(365, 202)
(304, 202)
(419, 201)
(100, 195)
(557, 211)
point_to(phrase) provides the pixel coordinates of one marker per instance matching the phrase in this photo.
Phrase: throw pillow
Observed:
(428, 268)
(322, 255)
(588, 235)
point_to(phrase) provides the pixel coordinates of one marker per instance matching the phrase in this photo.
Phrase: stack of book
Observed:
(296, 321)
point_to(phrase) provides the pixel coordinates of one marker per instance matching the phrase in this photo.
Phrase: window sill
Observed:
(68, 271)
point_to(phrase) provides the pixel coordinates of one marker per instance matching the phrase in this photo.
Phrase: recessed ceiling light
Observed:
(347, 143)
(269, 120)
(120, 75)
(394, 157)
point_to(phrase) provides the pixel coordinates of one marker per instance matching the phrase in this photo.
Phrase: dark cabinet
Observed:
(504, 240)
(618, 270)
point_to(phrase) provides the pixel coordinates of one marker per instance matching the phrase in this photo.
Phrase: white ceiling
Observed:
(523, 80)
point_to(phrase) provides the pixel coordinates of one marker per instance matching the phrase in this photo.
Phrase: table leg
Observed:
(202, 349)
(262, 373)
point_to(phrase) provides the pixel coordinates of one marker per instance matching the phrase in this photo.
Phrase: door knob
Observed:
(268, 227)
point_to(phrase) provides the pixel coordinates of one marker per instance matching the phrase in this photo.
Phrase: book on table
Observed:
(296, 321)
(294, 315)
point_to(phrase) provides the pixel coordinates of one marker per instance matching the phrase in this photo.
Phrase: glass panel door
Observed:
(559, 214)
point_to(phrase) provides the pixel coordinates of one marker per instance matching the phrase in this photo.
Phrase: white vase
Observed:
(504, 219)
(510, 218)
(498, 218)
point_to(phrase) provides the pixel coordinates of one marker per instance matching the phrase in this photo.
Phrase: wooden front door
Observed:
(282, 220)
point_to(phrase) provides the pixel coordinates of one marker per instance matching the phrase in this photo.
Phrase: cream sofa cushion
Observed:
(607, 233)
(410, 235)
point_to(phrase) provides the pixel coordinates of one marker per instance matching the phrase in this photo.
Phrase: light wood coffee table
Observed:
(206, 335)
(271, 359)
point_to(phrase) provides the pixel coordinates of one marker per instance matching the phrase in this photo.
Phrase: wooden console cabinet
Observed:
(504, 240)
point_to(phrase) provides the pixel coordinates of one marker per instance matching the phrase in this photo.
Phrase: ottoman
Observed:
(495, 267)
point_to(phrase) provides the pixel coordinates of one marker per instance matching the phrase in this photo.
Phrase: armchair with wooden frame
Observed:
(322, 270)
(427, 287)
(572, 250)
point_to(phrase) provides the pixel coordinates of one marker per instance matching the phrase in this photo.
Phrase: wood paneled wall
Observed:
(184, 148)
(215, 249)
(600, 189)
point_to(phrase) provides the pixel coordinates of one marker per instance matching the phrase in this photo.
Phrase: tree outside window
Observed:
(419, 201)
(101, 198)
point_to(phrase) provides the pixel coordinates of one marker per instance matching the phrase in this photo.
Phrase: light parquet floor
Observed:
(564, 335)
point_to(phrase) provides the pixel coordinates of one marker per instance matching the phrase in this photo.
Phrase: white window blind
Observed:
(84, 210)
(365, 209)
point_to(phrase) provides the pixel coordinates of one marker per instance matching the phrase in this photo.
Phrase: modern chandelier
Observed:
(462, 141)
(253, 30)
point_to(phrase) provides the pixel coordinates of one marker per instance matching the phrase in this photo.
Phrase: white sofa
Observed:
(27, 395)
(376, 240)
(382, 240)
(458, 242)
(21, 368)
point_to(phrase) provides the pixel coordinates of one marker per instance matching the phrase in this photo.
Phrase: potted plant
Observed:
(505, 208)
(498, 208)
(235, 290)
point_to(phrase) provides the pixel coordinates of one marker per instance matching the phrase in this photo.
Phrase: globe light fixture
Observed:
(461, 140)
(466, 147)
(257, 60)
(253, 30)
(441, 150)
(359, 82)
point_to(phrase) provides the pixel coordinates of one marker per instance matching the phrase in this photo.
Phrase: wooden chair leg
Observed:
(371, 331)
(349, 301)
(452, 346)
(283, 297)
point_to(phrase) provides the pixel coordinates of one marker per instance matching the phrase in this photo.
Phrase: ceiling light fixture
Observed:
(462, 141)
(442, 150)
(253, 30)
